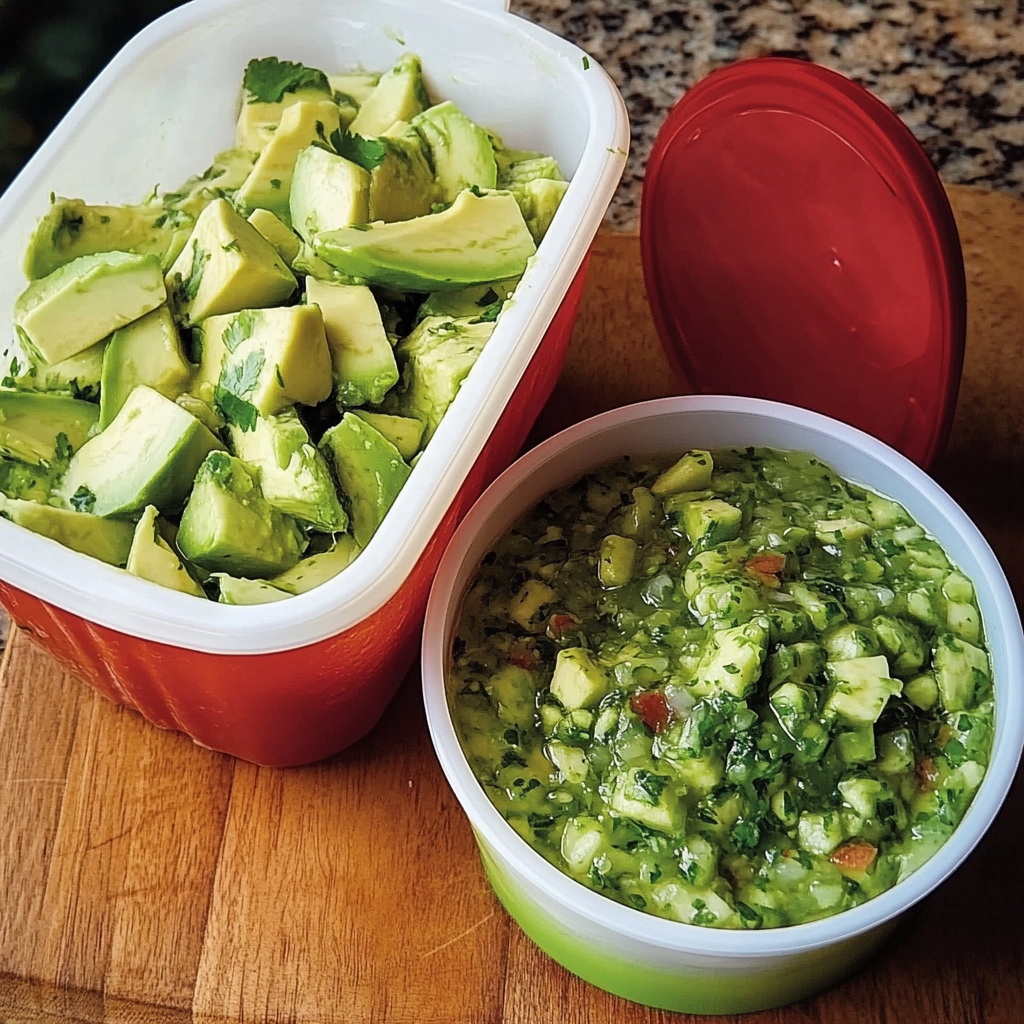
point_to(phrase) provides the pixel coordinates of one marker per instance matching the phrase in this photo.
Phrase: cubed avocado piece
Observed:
(42, 429)
(711, 521)
(579, 681)
(480, 237)
(83, 301)
(228, 526)
(959, 668)
(513, 691)
(398, 96)
(922, 691)
(152, 558)
(570, 761)
(615, 560)
(835, 531)
(850, 640)
(239, 590)
(539, 200)
(353, 86)
(328, 192)
(370, 470)
(269, 183)
(902, 642)
(221, 179)
(861, 687)
(311, 571)
(856, 746)
(691, 472)
(731, 662)
(794, 705)
(362, 360)
(226, 266)
(109, 540)
(819, 834)
(403, 432)
(277, 233)
(479, 300)
(72, 228)
(293, 475)
(435, 359)
(30, 483)
(270, 86)
(518, 166)
(460, 150)
(862, 794)
(647, 797)
(795, 663)
(264, 360)
(402, 183)
(824, 611)
(148, 455)
(147, 351)
(78, 375)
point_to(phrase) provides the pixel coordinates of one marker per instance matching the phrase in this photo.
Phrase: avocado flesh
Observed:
(313, 570)
(402, 185)
(228, 526)
(147, 351)
(269, 359)
(85, 300)
(403, 432)
(353, 85)
(277, 233)
(435, 360)
(461, 151)
(539, 200)
(470, 303)
(398, 96)
(477, 239)
(258, 121)
(109, 540)
(328, 192)
(20, 480)
(239, 590)
(293, 476)
(148, 455)
(370, 470)
(78, 375)
(152, 558)
(362, 360)
(31, 424)
(226, 266)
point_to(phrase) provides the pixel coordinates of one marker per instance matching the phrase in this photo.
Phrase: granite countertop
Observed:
(954, 71)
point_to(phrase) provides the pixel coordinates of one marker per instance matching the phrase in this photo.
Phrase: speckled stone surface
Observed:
(953, 69)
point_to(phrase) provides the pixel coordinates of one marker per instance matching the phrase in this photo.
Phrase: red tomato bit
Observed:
(652, 709)
(927, 774)
(855, 856)
(561, 623)
(523, 656)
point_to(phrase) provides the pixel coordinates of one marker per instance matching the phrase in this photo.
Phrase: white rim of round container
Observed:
(1003, 630)
(113, 598)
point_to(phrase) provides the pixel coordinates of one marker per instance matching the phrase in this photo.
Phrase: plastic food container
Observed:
(295, 681)
(633, 954)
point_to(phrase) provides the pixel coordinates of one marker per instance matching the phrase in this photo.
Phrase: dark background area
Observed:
(50, 50)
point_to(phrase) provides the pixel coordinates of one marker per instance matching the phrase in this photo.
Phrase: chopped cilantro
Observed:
(104, 219)
(367, 153)
(239, 330)
(489, 314)
(586, 63)
(232, 246)
(83, 500)
(488, 298)
(267, 79)
(237, 411)
(648, 786)
(277, 374)
(275, 182)
(63, 446)
(241, 378)
(190, 286)
(510, 757)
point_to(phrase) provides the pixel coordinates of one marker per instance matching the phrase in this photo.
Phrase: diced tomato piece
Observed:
(766, 578)
(523, 656)
(855, 856)
(766, 561)
(927, 774)
(561, 623)
(652, 708)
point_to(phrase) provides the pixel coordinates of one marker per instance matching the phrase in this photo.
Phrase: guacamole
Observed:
(728, 688)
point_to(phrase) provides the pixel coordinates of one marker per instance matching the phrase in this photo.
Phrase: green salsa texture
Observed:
(728, 688)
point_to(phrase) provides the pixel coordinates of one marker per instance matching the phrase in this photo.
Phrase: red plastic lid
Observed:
(798, 245)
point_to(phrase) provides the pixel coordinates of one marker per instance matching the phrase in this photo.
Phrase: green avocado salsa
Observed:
(730, 689)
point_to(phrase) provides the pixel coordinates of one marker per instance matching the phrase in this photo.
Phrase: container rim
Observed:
(1003, 630)
(115, 599)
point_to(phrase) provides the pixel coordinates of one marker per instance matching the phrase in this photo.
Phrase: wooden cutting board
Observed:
(144, 879)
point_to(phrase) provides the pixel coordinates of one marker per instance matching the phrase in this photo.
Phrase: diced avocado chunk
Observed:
(42, 429)
(711, 521)
(239, 590)
(478, 301)
(109, 540)
(328, 192)
(862, 794)
(850, 640)
(270, 86)
(518, 166)
(478, 238)
(353, 85)
(228, 526)
(402, 184)
(819, 834)
(615, 560)
(795, 663)
(835, 531)
(824, 611)
(570, 761)
(731, 662)
(78, 375)
(435, 359)
(83, 301)
(264, 360)
(692, 472)
(539, 200)
(959, 668)
(794, 705)
(398, 96)
(277, 233)
(902, 643)
(527, 606)
(461, 151)
(362, 360)
(293, 475)
(856, 746)
(269, 183)
(72, 228)
(861, 687)
(922, 691)
(514, 692)
(579, 681)
(147, 351)
(647, 797)
(370, 470)
(148, 455)
(30, 483)
(403, 432)
(311, 571)
(226, 266)
(152, 558)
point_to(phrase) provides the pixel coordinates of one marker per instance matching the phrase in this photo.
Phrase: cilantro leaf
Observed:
(63, 446)
(241, 378)
(489, 314)
(367, 153)
(190, 286)
(648, 786)
(236, 411)
(267, 79)
(83, 500)
(239, 330)
(488, 298)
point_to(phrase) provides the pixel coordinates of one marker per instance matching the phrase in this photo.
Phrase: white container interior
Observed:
(158, 114)
(675, 424)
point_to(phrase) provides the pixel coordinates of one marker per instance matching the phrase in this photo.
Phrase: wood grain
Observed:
(145, 879)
